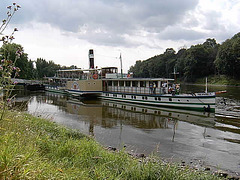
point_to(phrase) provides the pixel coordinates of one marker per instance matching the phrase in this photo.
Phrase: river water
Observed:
(197, 138)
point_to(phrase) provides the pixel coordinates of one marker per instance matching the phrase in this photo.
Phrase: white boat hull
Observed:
(197, 101)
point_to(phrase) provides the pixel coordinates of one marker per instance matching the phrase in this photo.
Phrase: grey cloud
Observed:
(212, 21)
(178, 33)
(116, 18)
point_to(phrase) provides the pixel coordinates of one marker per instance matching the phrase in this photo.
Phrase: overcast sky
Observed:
(64, 30)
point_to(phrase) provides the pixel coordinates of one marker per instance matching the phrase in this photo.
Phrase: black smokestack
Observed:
(91, 59)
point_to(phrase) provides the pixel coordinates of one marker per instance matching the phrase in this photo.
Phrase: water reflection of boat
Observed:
(154, 113)
(144, 117)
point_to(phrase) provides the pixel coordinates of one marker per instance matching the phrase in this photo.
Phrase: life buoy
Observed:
(95, 76)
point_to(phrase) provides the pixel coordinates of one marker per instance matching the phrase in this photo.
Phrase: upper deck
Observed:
(112, 81)
(137, 85)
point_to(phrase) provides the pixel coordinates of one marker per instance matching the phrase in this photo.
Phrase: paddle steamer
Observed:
(107, 83)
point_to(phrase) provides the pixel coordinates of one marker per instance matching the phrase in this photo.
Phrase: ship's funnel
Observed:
(91, 59)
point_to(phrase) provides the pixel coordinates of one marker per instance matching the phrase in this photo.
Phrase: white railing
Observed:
(135, 90)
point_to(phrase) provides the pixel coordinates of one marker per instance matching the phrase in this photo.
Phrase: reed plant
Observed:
(35, 148)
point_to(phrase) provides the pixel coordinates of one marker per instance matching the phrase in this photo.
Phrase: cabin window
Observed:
(134, 84)
(142, 83)
(115, 83)
(121, 83)
(127, 83)
(170, 99)
(155, 98)
(159, 99)
(142, 97)
(146, 97)
(109, 83)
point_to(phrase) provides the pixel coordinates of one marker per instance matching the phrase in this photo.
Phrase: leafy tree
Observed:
(26, 67)
(180, 61)
(157, 66)
(192, 63)
(228, 57)
(46, 68)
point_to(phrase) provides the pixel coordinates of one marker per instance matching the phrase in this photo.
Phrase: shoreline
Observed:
(213, 85)
(194, 164)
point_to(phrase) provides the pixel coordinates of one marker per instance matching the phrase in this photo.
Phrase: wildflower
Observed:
(3, 39)
(11, 38)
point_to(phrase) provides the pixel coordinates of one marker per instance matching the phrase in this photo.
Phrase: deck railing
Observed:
(136, 90)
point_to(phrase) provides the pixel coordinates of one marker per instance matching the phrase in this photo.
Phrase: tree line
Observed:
(30, 69)
(201, 60)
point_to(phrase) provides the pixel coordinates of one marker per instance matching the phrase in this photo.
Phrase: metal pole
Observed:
(121, 66)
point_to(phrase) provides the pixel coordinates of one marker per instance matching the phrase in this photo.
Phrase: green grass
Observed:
(34, 148)
(219, 80)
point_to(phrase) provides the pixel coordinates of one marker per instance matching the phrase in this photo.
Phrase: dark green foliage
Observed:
(43, 68)
(228, 58)
(46, 68)
(8, 51)
(157, 66)
(192, 63)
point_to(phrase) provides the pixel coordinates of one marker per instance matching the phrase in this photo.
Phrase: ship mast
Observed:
(175, 74)
(121, 65)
